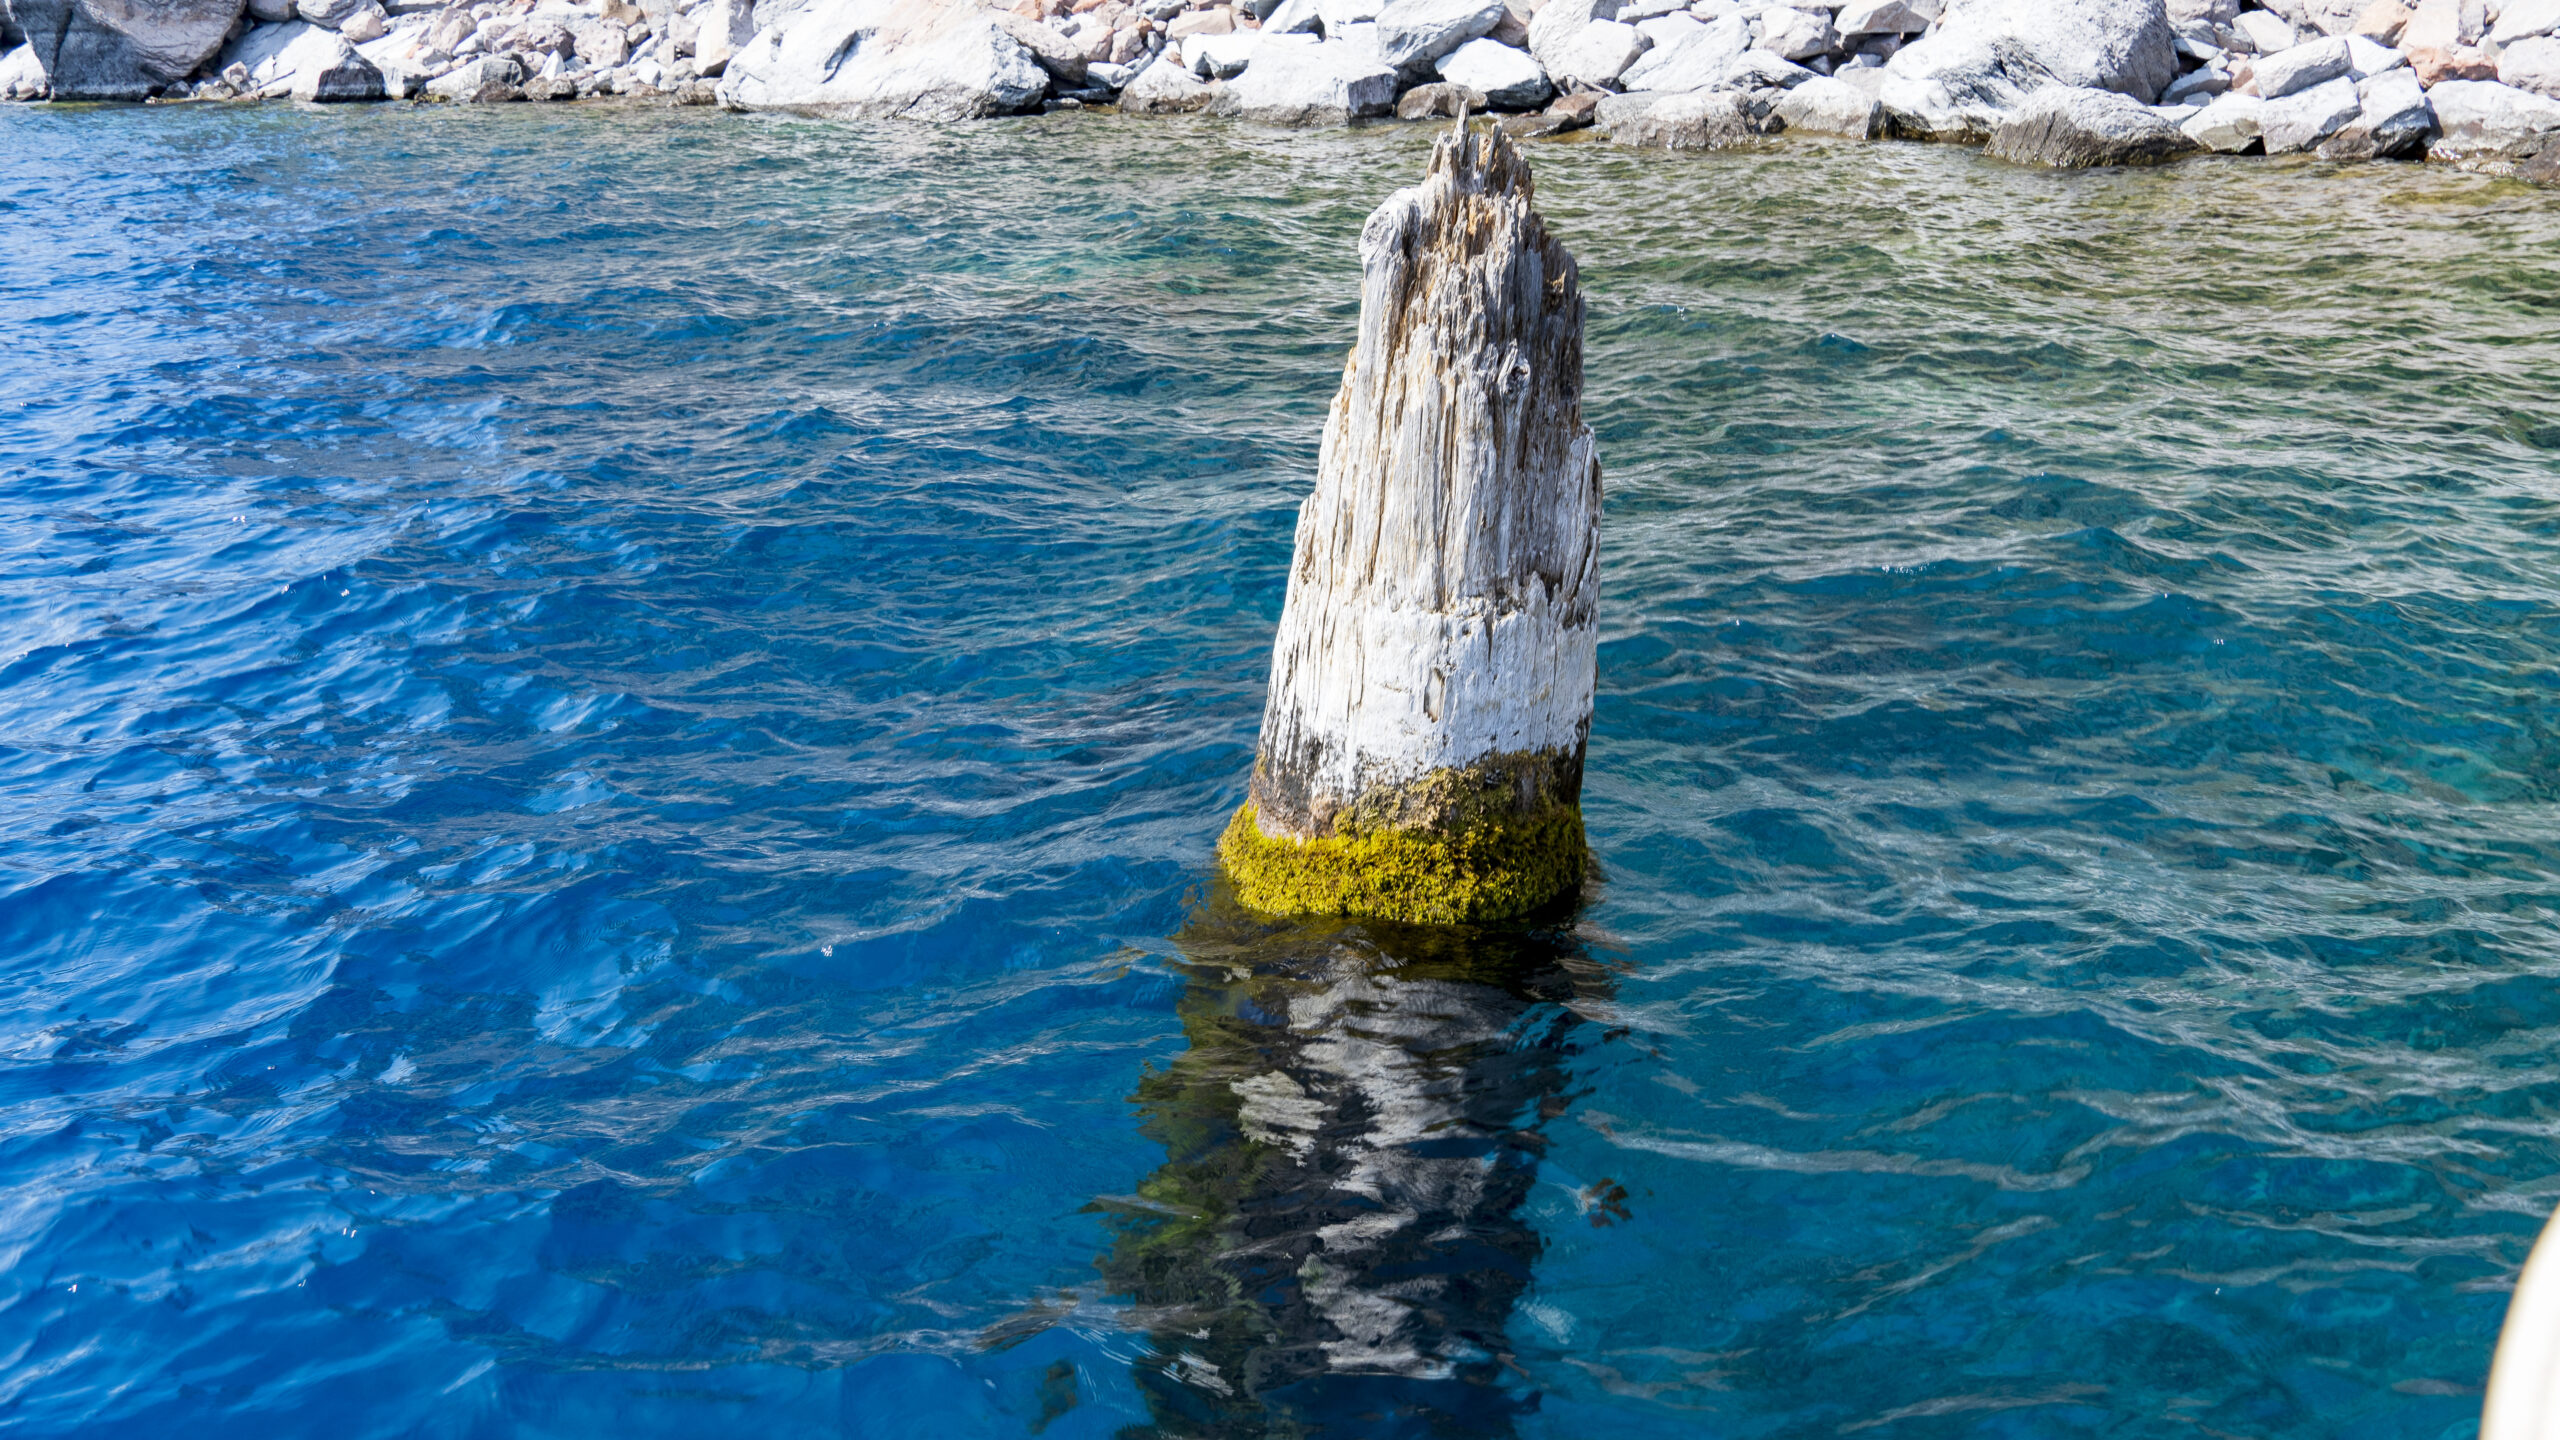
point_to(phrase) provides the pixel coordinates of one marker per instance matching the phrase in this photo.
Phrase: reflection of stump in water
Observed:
(1335, 1242)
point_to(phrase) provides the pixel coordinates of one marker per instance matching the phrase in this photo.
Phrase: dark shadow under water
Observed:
(1337, 1237)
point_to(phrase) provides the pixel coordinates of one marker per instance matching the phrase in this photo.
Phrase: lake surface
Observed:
(611, 726)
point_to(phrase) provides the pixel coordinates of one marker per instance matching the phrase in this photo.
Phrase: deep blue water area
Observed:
(611, 727)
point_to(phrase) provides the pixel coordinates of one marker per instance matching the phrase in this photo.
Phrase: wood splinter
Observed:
(1421, 755)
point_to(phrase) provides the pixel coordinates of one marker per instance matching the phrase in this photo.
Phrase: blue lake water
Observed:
(611, 727)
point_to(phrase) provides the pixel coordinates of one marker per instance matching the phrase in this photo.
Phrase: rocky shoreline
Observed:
(2473, 83)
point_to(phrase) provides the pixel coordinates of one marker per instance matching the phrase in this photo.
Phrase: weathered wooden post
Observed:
(1421, 754)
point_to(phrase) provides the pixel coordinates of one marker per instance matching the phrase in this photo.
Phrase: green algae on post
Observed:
(1422, 748)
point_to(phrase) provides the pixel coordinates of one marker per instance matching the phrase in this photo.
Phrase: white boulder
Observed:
(1414, 34)
(1508, 79)
(1596, 55)
(1986, 56)
(2229, 124)
(882, 59)
(2483, 120)
(22, 75)
(2306, 117)
(1300, 82)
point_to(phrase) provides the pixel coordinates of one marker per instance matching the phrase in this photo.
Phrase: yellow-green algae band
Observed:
(1498, 867)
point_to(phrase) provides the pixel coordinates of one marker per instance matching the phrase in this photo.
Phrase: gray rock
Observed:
(884, 59)
(1987, 56)
(2070, 127)
(2532, 63)
(368, 23)
(1692, 59)
(489, 80)
(1886, 17)
(550, 87)
(2306, 117)
(2228, 125)
(120, 49)
(1699, 120)
(1306, 84)
(1823, 106)
(1508, 79)
(271, 12)
(2483, 122)
(1414, 34)
(1165, 87)
(2291, 71)
(2207, 12)
(1110, 76)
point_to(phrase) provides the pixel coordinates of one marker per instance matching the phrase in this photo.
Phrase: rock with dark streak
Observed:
(121, 49)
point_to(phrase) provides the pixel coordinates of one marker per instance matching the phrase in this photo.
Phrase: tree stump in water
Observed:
(1421, 754)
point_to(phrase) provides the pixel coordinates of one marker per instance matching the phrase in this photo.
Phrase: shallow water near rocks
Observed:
(613, 724)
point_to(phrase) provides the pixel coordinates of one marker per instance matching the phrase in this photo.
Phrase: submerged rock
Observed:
(2074, 128)
(884, 59)
(120, 49)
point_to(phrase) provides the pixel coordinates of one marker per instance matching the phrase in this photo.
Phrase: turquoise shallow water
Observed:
(611, 727)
